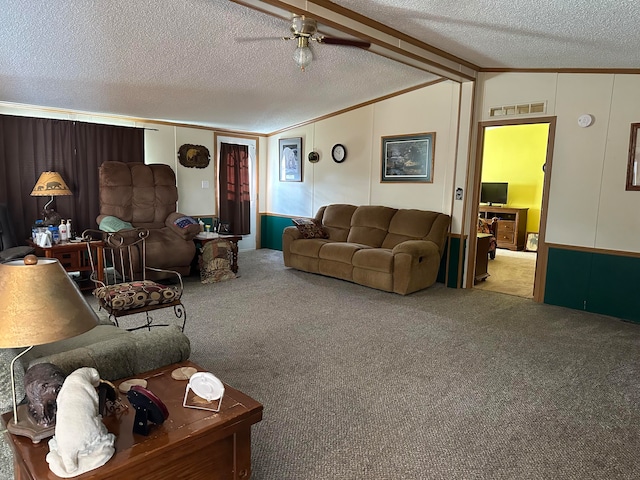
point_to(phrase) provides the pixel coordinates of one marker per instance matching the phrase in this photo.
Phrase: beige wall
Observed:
(357, 179)
(588, 204)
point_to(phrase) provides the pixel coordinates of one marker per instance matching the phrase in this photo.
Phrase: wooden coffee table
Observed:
(190, 444)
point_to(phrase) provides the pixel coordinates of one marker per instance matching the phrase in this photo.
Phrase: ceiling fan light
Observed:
(302, 56)
(297, 24)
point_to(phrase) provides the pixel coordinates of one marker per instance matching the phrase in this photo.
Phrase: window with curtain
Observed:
(30, 146)
(234, 188)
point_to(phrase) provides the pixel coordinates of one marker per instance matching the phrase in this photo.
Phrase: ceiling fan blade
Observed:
(345, 41)
(255, 39)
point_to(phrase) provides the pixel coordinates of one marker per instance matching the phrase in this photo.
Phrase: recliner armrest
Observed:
(188, 233)
(417, 248)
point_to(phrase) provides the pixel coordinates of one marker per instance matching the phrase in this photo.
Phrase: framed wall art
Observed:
(408, 158)
(532, 242)
(194, 156)
(290, 159)
(633, 165)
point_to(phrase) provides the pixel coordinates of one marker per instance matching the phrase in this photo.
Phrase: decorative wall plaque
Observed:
(193, 156)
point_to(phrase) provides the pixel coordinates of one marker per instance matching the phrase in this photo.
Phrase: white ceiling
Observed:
(221, 64)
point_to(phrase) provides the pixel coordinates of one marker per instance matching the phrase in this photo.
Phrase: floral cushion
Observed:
(310, 228)
(126, 296)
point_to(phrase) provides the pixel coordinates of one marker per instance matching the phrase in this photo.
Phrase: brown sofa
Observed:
(396, 250)
(145, 196)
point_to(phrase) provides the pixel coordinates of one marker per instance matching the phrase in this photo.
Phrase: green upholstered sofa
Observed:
(396, 250)
(116, 353)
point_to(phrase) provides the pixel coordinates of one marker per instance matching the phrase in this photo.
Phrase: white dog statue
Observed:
(81, 442)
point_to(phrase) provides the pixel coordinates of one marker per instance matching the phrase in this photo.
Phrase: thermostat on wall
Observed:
(585, 120)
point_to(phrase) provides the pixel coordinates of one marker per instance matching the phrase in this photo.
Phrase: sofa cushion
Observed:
(340, 251)
(126, 296)
(310, 228)
(378, 259)
(409, 224)
(369, 225)
(308, 247)
(337, 221)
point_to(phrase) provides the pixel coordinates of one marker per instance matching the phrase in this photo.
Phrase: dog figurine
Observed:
(81, 442)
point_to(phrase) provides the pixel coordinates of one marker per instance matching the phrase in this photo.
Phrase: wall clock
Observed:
(338, 153)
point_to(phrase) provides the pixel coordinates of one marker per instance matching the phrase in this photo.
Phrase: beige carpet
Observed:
(511, 272)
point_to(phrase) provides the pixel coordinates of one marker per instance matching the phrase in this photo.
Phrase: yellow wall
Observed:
(515, 154)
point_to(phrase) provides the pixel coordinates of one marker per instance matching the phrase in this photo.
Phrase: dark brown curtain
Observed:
(95, 144)
(30, 146)
(235, 196)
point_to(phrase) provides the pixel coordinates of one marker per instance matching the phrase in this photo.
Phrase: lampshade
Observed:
(40, 303)
(50, 183)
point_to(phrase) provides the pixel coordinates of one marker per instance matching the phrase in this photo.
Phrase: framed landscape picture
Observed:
(408, 158)
(290, 159)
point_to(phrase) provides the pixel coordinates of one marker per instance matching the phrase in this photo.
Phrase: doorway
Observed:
(517, 153)
(248, 242)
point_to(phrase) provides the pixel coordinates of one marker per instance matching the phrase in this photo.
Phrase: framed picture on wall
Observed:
(633, 165)
(532, 242)
(408, 158)
(290, 159)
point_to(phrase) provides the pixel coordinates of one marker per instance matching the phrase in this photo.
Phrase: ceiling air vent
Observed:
(518, 109)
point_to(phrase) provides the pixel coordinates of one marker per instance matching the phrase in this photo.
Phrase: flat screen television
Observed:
(494, 192)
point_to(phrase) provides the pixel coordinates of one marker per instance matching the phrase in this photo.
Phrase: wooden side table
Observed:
(74, 257)
(193, 444)
(482, 257)
(214, 237)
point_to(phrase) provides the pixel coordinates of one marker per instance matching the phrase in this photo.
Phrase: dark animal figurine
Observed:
(42, 382)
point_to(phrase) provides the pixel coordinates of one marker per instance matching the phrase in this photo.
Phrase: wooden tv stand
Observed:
(512, 225)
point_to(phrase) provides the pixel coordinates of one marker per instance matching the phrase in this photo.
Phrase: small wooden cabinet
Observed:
(74, 257)
(511, 231)
(482, 257)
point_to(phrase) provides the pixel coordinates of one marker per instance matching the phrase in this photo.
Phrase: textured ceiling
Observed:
(518, 34)
(217, 63)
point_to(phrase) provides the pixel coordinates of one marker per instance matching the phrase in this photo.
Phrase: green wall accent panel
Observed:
(596, 282)
(614, 288)
(271, 227)
(567, 278)
(453, 263)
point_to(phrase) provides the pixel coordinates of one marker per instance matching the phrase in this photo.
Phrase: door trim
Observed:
(543, 250)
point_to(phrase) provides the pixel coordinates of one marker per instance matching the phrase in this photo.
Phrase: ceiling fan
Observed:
(304, 29)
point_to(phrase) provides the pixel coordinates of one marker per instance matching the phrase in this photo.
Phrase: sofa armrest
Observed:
(116, 353)
(289, 234)
(188, 233)
(292, 232)
(417, 248)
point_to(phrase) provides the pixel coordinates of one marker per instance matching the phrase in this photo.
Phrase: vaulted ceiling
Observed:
(224, 64)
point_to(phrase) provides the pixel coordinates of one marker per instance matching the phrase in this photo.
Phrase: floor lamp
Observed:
(39, 303)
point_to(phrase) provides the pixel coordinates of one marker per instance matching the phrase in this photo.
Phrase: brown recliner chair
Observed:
(145, 196)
